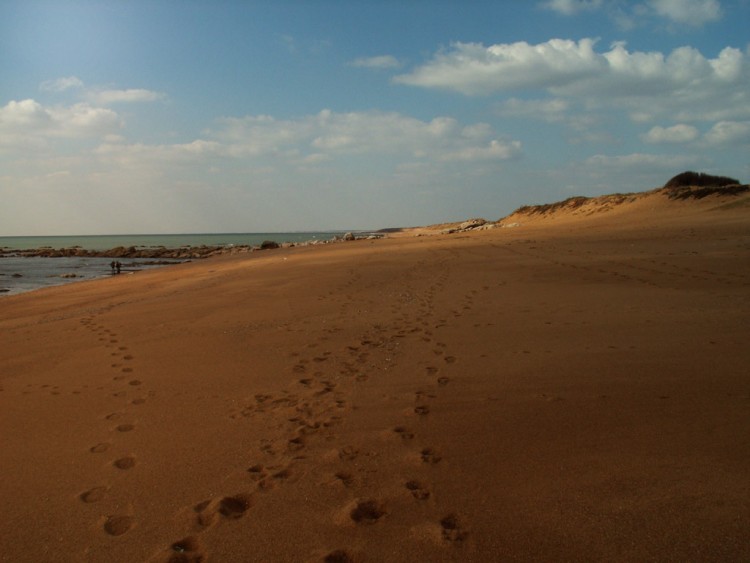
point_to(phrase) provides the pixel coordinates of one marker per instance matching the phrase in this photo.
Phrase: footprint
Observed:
(236, 506)
(127, 462)
(188, 548)
(422, 410)
(339, 556)
(135, 382)
(367, 512)
(257, 472)
(404, 432)
(296, 444)
(449, 359)
(125, 427)
(99, 448)
(430, 455)
(418, 490)
(93, 495)
(348, 453)
(452, 530)
(347, 479)
(443, 381)
(118, 525)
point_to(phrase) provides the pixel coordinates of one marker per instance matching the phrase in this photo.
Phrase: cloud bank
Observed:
(681, 83)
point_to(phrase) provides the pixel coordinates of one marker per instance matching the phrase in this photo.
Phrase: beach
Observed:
(569, 388)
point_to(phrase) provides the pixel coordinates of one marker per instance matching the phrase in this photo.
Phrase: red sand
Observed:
(575, 388)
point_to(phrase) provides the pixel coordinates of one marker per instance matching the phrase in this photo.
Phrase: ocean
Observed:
(21, 274)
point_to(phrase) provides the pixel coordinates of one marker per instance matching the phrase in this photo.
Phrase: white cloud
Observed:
(61, 84)
(551, 110)
(690, 12)
(472, 68)
(679, 133)
(628, 15)
(496, 150)
(376, 133)
(379, 62)
(681, 83)
(570, 7)
(27, 122)
(106, 97)
(729, 132)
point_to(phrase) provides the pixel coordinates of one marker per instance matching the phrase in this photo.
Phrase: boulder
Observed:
(471, 224)
(268, 245)
(349, 236)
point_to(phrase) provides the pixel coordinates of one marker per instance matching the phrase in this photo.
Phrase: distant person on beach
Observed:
(112, 265)
(118, 266)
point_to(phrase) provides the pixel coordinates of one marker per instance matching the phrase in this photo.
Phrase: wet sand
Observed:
(570, 389)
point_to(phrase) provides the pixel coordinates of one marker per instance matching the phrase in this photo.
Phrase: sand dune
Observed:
(575, 388)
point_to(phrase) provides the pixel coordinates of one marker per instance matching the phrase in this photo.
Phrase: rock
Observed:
(349, 236)
(471, 224)
(268, 245)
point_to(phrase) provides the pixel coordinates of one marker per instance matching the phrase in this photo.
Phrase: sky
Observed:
(190, 116)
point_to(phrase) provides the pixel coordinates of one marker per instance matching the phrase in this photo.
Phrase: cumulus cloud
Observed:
(729, 132)
(683, 81)
(472, 68)
(376, 133)
(679, 133)
(690, 12)
(29, 122)
(379, 62)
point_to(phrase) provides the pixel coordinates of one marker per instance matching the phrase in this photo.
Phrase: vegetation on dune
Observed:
(690, 178)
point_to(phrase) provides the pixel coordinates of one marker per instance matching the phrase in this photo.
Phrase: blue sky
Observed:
(196, 116)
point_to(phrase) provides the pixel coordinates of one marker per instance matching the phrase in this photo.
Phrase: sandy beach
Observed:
(571, 389)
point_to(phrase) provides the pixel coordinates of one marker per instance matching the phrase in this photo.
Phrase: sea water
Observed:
(20, 274)
(106, 242)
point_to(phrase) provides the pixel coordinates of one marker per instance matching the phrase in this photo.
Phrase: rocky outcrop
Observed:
(470, 225)
(161, 252)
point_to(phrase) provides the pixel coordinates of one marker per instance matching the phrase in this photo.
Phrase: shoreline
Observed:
(16, 279)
